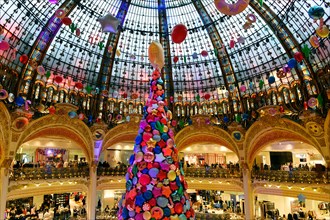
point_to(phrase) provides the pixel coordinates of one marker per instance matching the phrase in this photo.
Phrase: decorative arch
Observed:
(198, 134)
(123, 132)
(270, 129)
(5, 131)
(60, 126)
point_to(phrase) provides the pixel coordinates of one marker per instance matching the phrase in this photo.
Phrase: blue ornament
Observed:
(189, 121)
(292, 63)
(125, 213)
(157, 150)
(131, 159)
(271, 79)
(167, 212)
(138, 139)
(90, 118)
(245, 117)
(226, 119)
(147, 195)
(19, 100)
(195, 55)
(316, 12)
(145, 171)
(139, 200)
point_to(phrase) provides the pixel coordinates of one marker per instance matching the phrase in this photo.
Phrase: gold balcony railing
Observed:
(48, 173)
(296, 176)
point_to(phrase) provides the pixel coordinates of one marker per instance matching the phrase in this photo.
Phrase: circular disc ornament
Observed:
(312, 102)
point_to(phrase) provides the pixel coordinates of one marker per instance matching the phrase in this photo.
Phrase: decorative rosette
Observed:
(155, 186)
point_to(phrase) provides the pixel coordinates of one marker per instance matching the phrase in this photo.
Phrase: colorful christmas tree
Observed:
(155, 186)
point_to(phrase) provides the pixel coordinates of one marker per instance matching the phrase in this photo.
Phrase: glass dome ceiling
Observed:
(119, 62)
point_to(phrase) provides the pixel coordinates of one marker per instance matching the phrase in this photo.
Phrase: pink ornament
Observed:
(242, 88)
(4, 45)
(232, 43)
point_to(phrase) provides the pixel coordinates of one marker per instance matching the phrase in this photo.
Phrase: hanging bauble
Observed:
(23, 59)
(4, 45)
(135, 95)
(241, 40)
(81, 116)
(179, 33)
(231, 9)
(204, 53)
(41, 70)
(286, 68)
(242, 88)
(72, 114)
(271, 80)
(316, 12)
(124, 95)
(207, 96)
(60, 13)
(292, 63)
(261, 83)
(322, 31)
(88, 89)
(66, 21)
(156, 55)
(195, 55)
(298, 56)
(314, 41)
(58, 79)
(280, 74)
(53, 1)
(115, 94)
(232, 43)
(312, 102)
(79, 85)
(175, 59)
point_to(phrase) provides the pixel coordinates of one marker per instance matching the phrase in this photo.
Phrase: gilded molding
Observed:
(204, 133)
(5, 131)
(59, 125)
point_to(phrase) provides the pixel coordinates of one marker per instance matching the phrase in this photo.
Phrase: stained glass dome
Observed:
(116, 66)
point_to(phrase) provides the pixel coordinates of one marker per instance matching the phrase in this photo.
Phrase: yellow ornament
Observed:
(323, 31)
(156, 55)
(118, 53)
(171, 175)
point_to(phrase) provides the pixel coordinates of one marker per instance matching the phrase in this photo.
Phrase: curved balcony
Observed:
(296, 176)
(48, 173)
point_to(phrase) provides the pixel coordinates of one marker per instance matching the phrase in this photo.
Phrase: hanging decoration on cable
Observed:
(109, 23)
(231, 9)
(179, 33)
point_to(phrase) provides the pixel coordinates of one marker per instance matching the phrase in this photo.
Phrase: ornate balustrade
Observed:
(296, 176)
(292, 176)
(48, 173)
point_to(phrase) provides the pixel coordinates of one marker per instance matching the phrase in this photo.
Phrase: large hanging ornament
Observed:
(109, 23)
(156, 55)
(316, 12)
(179, 33)
(298, 56)
(155, 185)
(231, 9)
(23, 59)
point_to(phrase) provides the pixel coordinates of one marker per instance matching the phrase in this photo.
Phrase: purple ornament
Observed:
(53, 1)
(286, 68)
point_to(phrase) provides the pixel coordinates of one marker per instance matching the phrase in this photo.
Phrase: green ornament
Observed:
(47, 74)
(73, 27)
(181, 123)
(306, 51)
(198, 98)
(101, 45)
(134, 170)
(261, 2)
(238, 118)
(160, 127)
(320, 100)
(180, 191)
(88, 89)
(216, 52)
(261, 84)
(185, 58)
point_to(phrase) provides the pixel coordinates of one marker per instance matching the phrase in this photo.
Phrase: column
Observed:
(91, 194)
(248, 194)
(4, 181)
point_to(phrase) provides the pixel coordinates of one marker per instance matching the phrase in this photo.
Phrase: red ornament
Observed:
(305, 106)
(281, 109)
(298, 56)
(4, 45)
(124, 95)
(175, 59)
(204, 53)
(58, 79)
(179, 33)
(178, 208)
(79, 85)
(207, 96)
(66, 21)
(24, 59)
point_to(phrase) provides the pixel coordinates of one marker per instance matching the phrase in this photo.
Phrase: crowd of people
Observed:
(59, 163)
